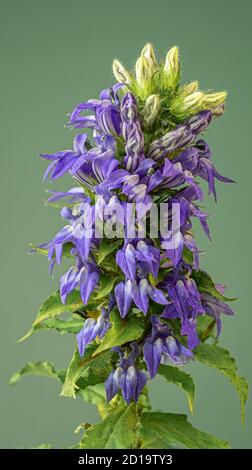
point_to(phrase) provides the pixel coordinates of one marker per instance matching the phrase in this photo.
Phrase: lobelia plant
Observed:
(135, 296)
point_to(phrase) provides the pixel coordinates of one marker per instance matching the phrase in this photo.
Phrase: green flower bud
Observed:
(189, 104)
(149, 53)
(144, 72)
(171, 67)
(151, 110)
(212, 100)
(190, 88)
(120, 73)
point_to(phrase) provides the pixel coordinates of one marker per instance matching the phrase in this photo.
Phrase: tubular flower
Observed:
(126, 376)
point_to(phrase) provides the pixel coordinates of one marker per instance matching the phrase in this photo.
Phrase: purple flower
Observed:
(123, 295)
(85, 274)
(96, 171)
(126, 377)
(162, 346)
(197, 160)
(143, 258)
(106, 118)
(91, 329)
(79, 231)
(91, 164)
(126, 259)
(114, 180)
(185, 303)
(148, 257)
(67, 159)
(139, 292)
(182, 237)
(215, 307)
(74, 195)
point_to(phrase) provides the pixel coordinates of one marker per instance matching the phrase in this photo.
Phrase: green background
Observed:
(56, 53)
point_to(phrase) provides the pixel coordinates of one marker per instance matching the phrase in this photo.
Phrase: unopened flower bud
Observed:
(212, 100)
(151, 110)
(190, 88)
(149, 53)
(143, 71)
(171, 67)
(190, 104)
(120, 73)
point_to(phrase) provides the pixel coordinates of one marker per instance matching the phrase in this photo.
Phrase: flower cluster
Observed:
(142, 145)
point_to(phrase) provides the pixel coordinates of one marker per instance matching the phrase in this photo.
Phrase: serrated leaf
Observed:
(116, 431)
(206, 284)
(45, 369)
(53, 306)
(166, 430)
(86, 371)
(219, 358)
(107, 247)
(122, 331)
(71, 325)
(105, 287)
(181, 379)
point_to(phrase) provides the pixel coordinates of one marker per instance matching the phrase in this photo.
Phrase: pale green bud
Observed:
(120, 73)
(190, 88)
(149, 53)
(192, 101)
(212, 100)
(171, 67)
(188, 104)
(151, 110)
(143, 71)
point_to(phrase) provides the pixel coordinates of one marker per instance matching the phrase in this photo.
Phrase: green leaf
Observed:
(53, 306)
(180, 378)
(116, 431)
(166, 430)
(45, 369)
(151, 438)
(86, 371)
(66, 252)
(122, 331)
(187, 255)
(205, 327)
(206, 284)
(214, 356)
(72, 325)
(95, 394)
(105, 287)
(106, 248)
